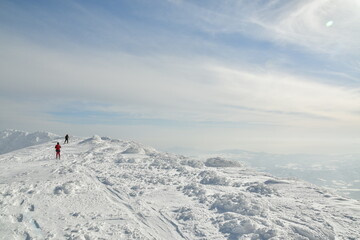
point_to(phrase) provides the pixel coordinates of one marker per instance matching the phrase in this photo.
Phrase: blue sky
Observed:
(276, 76)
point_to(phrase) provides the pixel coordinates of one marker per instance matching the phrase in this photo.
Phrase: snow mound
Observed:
(220, 162)
(11, 140)
(127, 147)
(96, 139)
(184, 213)
(134, 150)
(194, 189)
(68, 188)
(192, 163)
(260, 188)
(212, 178)
(237, 203)
(244, 226)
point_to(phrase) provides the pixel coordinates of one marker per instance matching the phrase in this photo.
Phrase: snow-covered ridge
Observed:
(106, 188)
(11, 140)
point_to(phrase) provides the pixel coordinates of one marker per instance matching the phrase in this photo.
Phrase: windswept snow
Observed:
(11, 140)
(104, 188)
(340, 172)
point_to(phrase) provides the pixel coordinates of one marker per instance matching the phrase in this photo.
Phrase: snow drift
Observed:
(105, 188)
(11, 140)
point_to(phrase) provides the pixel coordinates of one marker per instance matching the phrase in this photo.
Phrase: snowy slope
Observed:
(112, 189)
(11, 140)
(337, 172)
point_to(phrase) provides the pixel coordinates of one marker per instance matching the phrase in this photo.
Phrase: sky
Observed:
(278, 76)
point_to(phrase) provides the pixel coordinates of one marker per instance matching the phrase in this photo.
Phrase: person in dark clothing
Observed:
(57, 149)
(66, 139)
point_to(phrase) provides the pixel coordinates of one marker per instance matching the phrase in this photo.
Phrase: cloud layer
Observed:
(254, 74)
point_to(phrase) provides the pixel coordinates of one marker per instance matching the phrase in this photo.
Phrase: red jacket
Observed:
(57, 147)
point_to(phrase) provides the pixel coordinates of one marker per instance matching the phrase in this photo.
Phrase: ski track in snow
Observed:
(112, 189)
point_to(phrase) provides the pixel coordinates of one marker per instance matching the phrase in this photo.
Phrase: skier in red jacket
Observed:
(57, 149)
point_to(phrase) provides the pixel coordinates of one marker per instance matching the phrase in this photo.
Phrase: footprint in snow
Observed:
(36, 224)
(31, 208)
(20, 218)
(27, 236)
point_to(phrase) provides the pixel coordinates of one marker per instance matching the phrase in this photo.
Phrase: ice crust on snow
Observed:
(105, 188)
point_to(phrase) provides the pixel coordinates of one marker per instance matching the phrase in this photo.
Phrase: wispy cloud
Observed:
(171, 87)
(283, 93)
(231, 67)
(327, 26)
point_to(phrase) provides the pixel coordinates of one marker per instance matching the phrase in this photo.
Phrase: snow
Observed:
(105, 188)
(11, 140)
(340, 172)
(220, 162)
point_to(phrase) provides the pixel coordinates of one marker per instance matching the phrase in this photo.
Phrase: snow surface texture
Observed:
(11, 140)
(340, 172)
(111, 189)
